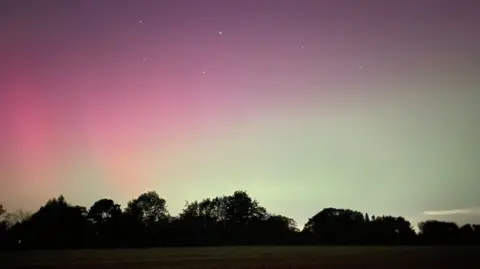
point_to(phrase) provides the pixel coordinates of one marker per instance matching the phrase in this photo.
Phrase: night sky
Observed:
(369, 105)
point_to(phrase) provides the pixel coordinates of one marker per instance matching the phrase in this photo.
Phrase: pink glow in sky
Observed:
(94, 103)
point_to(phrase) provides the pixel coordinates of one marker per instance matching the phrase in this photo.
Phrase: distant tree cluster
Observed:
(227, 220)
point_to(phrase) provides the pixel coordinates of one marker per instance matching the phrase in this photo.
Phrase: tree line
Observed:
(236, 219)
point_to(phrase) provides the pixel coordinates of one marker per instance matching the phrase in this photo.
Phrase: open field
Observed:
(249, 257)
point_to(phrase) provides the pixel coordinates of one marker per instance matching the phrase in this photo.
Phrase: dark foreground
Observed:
(249, 257)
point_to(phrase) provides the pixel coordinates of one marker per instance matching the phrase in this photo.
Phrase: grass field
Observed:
(249, 257)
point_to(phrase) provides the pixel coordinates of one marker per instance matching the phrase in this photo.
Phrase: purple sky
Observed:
(369, 105)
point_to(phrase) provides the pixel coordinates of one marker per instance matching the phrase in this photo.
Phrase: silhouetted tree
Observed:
(3, 227)
(16, 217)
(223, 220)
(57, 224)
(106, 218)
(191, 224)
(391, 230)
(336, 226)
(439, 232)
(146, 216)
(476, 236)
(467, 234)
(276, 229)
(242, 213)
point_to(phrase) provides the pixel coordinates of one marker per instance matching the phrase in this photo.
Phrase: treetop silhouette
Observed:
(237, 219)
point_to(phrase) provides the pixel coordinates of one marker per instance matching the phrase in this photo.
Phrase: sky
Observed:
(368, 105)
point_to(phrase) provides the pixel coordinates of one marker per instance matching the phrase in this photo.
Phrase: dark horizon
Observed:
(236, 219)
(19, 214)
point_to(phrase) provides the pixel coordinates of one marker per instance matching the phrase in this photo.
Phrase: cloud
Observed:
(463, 211)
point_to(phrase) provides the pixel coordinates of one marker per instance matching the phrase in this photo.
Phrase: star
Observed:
(141, 22)
(144, 59)
(204, 72)
(303, 47)
(220, 33)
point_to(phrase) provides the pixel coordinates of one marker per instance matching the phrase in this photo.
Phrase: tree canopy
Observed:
(236, 219)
